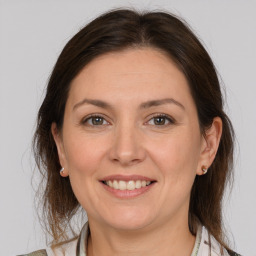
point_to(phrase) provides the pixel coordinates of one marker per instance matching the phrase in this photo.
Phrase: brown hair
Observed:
(115, 31)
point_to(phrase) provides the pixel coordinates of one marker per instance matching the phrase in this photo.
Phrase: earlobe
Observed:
(63, 172)
(210, 145)
(59, 144)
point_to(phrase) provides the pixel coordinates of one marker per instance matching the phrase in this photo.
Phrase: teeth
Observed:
(115, 184)
(138, 184)
(130, 185)
(122, 185)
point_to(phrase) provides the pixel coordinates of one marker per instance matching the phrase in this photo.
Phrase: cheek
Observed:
(84, 159)
(177, 155)
(84, 154)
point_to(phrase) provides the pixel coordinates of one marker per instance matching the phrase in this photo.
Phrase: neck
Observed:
(169, 239)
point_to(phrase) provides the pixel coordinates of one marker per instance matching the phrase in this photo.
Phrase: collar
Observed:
(201, 248)
(82, 241)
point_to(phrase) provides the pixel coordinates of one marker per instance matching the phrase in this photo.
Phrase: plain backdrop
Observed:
(32, 34)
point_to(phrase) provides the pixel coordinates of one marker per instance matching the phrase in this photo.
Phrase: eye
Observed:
(160, 120)
(95, 120)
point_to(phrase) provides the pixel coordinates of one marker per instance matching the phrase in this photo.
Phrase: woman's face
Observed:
(131, 142)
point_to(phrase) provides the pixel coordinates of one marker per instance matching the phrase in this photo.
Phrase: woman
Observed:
(132, 129)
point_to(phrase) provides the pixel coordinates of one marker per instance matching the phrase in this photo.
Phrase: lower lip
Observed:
(126, 194)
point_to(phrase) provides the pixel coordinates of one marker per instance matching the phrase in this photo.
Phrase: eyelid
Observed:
(86, 118)
(155, 115)
(168, 117)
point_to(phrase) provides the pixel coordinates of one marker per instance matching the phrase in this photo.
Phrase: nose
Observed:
(127, 146)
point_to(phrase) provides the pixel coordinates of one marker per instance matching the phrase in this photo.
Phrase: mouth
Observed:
(127, 185)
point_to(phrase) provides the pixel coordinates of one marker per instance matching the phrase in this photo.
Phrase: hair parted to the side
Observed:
(118, 30)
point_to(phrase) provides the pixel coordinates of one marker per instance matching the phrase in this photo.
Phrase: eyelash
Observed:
(166, 117)
(85, 120)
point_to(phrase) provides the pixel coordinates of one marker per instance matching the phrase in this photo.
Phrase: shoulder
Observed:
(36, 253)
(70, 247)
(67, 248)
(210, 244)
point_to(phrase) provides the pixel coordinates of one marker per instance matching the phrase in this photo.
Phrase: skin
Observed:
(128, 140)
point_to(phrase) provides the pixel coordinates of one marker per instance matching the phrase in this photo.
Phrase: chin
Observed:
(129, 220)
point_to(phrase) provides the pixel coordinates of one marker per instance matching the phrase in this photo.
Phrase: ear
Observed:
(210, 145)
(60, 148)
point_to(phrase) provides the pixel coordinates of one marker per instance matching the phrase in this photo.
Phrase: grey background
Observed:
(32, 34)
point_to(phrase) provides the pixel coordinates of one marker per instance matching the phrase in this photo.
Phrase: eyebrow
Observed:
(147, 104)
(98, 103)
(154, 103)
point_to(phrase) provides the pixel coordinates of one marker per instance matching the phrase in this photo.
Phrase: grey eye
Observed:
(160, 120)
(95, 120)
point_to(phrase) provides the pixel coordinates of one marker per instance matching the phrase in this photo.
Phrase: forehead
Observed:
(131, 74)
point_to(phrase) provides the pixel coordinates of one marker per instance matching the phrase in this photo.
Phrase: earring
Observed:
(62, 172)
(204, 169)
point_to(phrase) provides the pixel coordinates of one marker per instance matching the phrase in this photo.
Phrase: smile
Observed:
(127, 185)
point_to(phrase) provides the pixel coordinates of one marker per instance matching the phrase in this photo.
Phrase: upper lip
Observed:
(126, 177)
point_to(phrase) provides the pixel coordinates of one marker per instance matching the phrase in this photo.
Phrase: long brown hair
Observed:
(115, 31)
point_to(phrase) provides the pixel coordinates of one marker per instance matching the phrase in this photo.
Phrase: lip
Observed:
(126, 178)
(127, 194)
